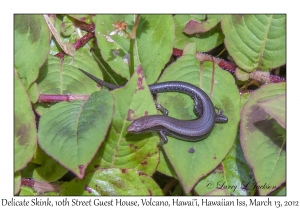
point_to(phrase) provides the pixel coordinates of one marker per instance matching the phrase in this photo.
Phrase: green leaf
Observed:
(33, 93)
(153, 48)
(25, 134)
(238, 173)
(256, 42)
(72, 132)
(65, 78)
(204, 41)
(263, 140)
(122, 150)
(112, 182)
(198, 24)
(165, 166)
(244, 99)
(48, 170)
(241, 75)
(208, 152)
(114, 48)
(28, 170)
(233, 176)
(31, 46)
(17, 182)
(27, 191)
(212, 182)
(276, 108)
(154, 44)
(67, 27)
(279, 192)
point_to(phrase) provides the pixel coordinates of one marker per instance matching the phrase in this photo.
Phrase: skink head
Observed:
(137, 126)
(144, 124)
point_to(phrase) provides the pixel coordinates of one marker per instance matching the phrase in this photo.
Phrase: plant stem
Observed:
(132, 43)
(131, 59)
(133, 32)
(47, 98)
(263, 77)
(40, 187)
(79, 43)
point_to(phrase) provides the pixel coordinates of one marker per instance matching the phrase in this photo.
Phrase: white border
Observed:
(8, 8)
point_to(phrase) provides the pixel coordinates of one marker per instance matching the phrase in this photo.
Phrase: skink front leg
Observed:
(161, 108)
(163, 137)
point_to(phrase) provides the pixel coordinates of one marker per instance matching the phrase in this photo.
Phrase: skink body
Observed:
(189, 130)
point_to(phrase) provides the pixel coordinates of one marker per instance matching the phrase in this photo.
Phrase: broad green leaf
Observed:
(65, 78)
(112, 181)
(17, 182)
(204, 41)
(120, 149)
(190, 167)
(276, 108)
(263, 140)
(256, 42)
(233, 176)
(198, 24)
(25, 135)
(153, 44)
(72, 132)
(31, 46)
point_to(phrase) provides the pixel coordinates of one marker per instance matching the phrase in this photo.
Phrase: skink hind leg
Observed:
(220, 118)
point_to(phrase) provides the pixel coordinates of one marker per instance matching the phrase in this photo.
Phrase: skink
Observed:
(189, 130)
